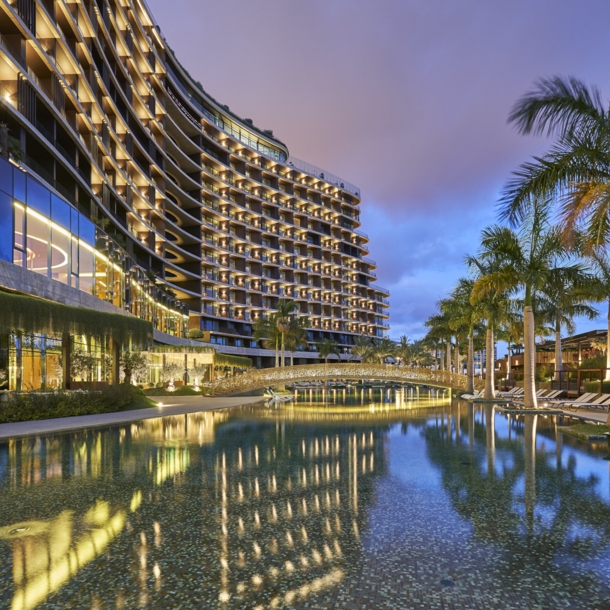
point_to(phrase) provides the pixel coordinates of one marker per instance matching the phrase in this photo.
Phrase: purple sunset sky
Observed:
(408, 99)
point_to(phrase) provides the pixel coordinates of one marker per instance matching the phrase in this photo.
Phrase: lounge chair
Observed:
(511, 393)
(599, 403)
(588, 397)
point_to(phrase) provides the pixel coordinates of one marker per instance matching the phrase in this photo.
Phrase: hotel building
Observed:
(124, 181)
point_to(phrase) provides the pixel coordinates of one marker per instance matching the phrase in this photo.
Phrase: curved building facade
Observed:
(128, 182)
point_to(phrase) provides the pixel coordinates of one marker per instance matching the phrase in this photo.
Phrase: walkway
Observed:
(175, 405)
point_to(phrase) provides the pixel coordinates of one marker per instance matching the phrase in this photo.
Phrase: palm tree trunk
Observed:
(529, 359)
(470, 365)
(608, 351)
(291, 358)
(448, 354)
(509, 364)
(490, 389)
(558, 354)
(457, 355)
(283, 356)
(277, 353)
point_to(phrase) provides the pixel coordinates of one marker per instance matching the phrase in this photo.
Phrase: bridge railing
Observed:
(261, 378)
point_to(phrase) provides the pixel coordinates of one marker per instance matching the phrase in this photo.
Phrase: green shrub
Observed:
(181, 390)
(596, 362)
(35, 406)
(594, 386)
(195, 333)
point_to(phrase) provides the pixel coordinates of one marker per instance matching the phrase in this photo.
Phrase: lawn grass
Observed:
(584, 431)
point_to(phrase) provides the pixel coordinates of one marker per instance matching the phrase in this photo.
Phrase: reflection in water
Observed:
(306, 504)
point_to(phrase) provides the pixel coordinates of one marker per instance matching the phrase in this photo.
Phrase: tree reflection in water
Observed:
(547, 521)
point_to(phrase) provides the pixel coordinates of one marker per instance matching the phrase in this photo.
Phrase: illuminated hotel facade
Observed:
(127, 182)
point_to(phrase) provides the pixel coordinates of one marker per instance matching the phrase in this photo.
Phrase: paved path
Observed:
(585, 414)
(172, 405)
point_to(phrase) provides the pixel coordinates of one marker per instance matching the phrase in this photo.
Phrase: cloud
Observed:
(406, 98)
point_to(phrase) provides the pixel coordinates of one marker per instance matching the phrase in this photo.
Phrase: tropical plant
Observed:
(575, 172)
(363, 349)
(266, 330)
(440, 330)
(296, 337)
(383, 349)
(527, 260)
(327, 348)
(283, 318)
(560, 301)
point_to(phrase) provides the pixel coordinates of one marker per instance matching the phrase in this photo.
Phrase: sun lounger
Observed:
(511, 393)
(599, 403)
(584, 399)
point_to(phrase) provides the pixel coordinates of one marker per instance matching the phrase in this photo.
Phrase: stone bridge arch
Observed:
(262, 378)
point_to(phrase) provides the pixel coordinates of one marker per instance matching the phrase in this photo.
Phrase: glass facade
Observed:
(46, 235)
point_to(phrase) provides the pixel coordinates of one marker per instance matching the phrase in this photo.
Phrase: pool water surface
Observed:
(398, 503)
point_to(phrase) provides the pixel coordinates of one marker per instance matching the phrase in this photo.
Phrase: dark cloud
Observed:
(406, 98)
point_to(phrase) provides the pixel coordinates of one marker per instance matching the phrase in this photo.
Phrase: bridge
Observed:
(257, 379)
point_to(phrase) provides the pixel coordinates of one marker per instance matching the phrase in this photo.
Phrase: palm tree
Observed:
(383, 349)
(528, 261)
(296, 337)
(363, 348)
(494, 304)
(404, 351)
(440, 329)
(467, 315)
(576, 170)
(560, 301)
(266, 330)
(601, 267)
(283, 316)
(327, 348)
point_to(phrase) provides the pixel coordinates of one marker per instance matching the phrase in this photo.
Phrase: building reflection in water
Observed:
(262, 507)
(248, 507)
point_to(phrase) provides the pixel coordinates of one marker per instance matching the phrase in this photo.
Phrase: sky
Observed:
(408, 99)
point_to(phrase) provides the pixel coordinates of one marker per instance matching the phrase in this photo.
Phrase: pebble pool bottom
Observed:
(398, 503)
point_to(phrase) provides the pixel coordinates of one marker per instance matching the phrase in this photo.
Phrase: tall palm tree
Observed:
(561, 300)
(467, 315)
(404, 351)
(526, 260)
(384, 348)
(600, 262)
(363, 348)
(296, 337)
(266, 330)
(494, 304)
(327, 348)
(440, 329)
(283, 316)
(576, 169)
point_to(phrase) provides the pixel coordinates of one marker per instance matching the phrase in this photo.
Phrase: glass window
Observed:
(101, 278)
(37, 244)
(6, 227)
(60, 248)
(87, 231)
(60, 212)
(74, 263)
(19, 226)
(39, 198)
(6, 177)
(75, 216)
(85, 269)
(19, 185)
